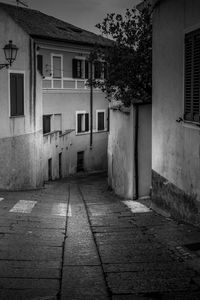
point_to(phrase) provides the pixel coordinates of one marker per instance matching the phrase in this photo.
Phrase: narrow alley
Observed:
(74, 239)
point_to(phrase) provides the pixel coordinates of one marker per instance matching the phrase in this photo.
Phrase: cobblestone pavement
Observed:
(75, 240)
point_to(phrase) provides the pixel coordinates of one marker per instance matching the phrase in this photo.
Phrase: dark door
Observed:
(80, 161)
(49, 169)
(60, 165)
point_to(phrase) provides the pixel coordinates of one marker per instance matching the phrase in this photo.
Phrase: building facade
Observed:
(21, 135)
(52, 123)
(176, 107)
(67, 110)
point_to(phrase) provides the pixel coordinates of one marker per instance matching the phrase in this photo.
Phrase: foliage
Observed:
(129, 59)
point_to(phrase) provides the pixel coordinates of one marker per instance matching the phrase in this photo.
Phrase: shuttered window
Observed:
(192, 77)
(46, 124)
(98, 70)
(77, 68)
(100, 120)
(82, 122)
(80, 68)
(16, 94)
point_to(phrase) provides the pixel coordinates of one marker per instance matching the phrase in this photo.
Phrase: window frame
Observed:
(57, 55)
(190, 35)
(97, 112)
(9, 95)
(82, 112)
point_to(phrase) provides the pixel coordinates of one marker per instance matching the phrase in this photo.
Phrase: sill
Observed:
(190, 124)
(52, 132)
(100, 131)
(94, 131)
(20, 116)
(82, 133)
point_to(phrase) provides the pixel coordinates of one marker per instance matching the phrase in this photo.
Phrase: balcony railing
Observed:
(64, 83)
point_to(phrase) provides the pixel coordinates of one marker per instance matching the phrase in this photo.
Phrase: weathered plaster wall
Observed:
(120, 154)
(54, 143)
(145, 149)
(121, 149)
(176, 146)
(20, 137)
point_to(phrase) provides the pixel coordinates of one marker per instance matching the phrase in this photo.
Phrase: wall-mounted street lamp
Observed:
(10, 52)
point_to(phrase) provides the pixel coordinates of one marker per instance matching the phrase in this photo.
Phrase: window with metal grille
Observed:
(192, 77)
(82, 122)
(16, 94)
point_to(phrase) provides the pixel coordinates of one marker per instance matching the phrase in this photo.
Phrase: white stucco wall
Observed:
(20, 137)
(176, 154)
(121, 149)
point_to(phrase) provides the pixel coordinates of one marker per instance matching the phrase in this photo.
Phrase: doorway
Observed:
(50, 169)
(80, 161)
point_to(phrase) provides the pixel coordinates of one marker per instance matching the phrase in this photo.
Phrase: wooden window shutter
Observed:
(86, 122)
(196, 79)
(17, 94)
(46, 124)
(105, 70)
(79, 122)
(86, 69)
(40, 63)
(97, 70)
(74, 68)
(192, 77)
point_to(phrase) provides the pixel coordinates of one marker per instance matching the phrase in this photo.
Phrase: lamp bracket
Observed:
(4, 66)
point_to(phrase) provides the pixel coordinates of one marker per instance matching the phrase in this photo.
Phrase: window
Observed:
(192, 77)
(46, 124)
(80, 68)
(16, 94)
(100, 117)
(100, 70)
(57, 66)
(82, 122)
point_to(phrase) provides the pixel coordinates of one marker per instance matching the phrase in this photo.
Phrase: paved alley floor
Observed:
(76, 240)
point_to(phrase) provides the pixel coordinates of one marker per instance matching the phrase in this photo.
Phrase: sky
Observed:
(82, 13)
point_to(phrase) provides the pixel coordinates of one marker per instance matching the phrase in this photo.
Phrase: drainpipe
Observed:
(136, 151)
(91, 105)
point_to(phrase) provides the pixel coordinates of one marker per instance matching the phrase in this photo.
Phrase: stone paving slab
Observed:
(122, 283)
(83, 282)
(80, 252)
(33, 253)
(25, 283)
(30, 294)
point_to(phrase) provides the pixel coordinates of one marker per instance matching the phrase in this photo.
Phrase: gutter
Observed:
(136, 163)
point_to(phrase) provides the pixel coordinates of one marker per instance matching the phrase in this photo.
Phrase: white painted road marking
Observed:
(69, 211)
(23, 206)
(1, 199)
(59, 209)
(136, 207)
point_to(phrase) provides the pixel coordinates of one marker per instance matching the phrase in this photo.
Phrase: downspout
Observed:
(91, 105)
(136, 151)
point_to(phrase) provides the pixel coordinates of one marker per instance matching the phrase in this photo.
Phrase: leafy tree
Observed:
(129, 59)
